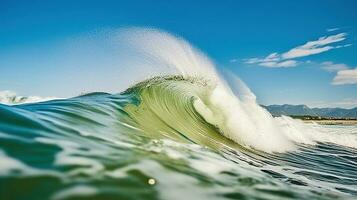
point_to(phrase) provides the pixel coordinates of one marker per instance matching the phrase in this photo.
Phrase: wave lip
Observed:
(227, 104)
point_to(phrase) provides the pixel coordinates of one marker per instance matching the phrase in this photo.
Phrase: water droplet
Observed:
(151, 181)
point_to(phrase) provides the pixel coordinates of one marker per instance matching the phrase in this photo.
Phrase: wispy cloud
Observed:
(314, 47)
(285, 59)
(333, 67)
(286, 63)
(332, 29)
(341, 46)
(346, 76)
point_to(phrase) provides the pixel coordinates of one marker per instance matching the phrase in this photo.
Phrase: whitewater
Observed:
(183, 128)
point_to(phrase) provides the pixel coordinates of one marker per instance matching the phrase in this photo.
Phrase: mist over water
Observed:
(183, 129)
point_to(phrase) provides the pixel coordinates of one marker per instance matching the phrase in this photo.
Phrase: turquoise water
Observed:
(151, 142)
(195, 133)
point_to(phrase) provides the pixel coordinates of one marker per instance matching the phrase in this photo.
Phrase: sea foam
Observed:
(231, 106)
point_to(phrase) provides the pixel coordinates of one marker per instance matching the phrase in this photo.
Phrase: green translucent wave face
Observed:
(166, 110)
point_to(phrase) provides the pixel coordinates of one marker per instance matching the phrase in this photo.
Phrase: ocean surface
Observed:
(195, 134)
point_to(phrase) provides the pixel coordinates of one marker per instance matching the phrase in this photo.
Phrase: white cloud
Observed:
(287, 63)
(314, 47)
(233, 60)
(347, 76)
(332, 29)
(273, 57)
(320, 45)
(344, 73)
(341, 46)
(301, 52)
(333, 67)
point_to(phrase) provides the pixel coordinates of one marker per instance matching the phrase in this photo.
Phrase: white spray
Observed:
(231, 106)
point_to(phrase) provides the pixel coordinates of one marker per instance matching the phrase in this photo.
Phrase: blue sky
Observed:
(301, 52)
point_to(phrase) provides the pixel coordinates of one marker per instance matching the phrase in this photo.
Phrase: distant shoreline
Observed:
(332, 121)
(326, 120)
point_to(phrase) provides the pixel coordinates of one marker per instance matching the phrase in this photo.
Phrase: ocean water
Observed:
(193, 133)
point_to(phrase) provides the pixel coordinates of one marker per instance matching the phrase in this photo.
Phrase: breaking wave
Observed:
(187, 129)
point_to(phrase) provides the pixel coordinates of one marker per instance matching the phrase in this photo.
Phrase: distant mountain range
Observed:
(301, 110)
